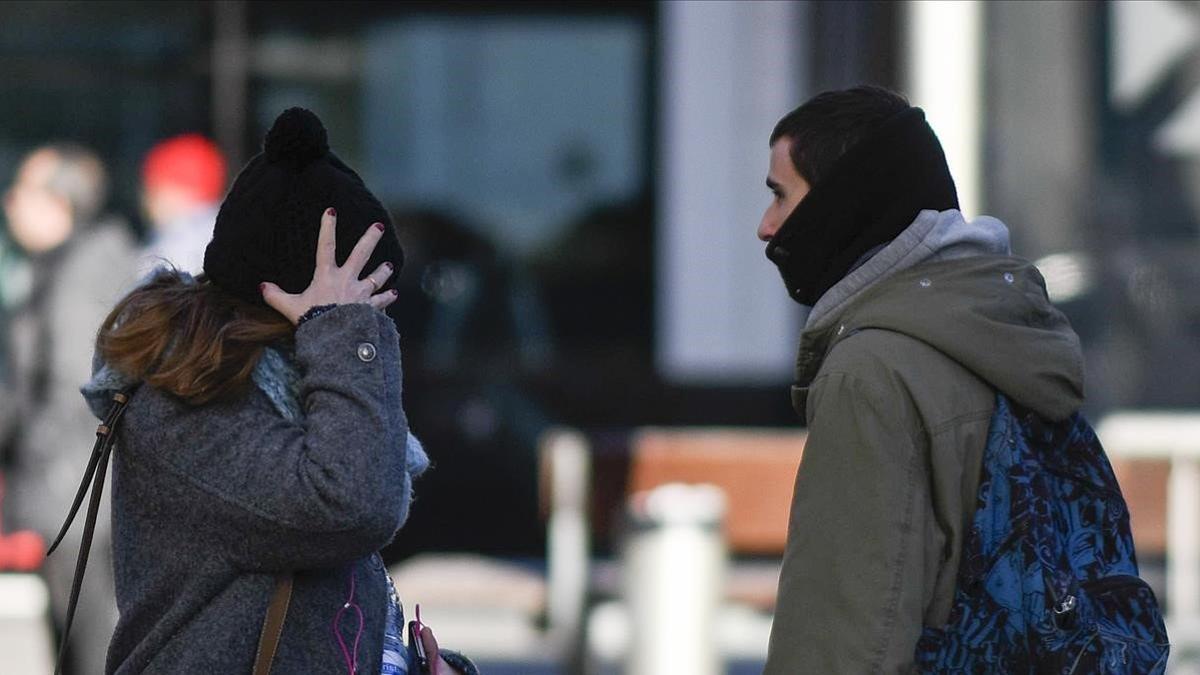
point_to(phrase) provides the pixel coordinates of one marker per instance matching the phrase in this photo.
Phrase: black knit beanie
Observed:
(870, 195)
(268, 225)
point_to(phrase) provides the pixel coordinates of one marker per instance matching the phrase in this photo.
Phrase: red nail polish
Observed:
(331, 211)
(262, 288)
(378, 226)
(389, 265)
(394, 292)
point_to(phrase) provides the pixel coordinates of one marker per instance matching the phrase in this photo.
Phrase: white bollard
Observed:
(675, 562)
(568, 535)
(26, 641)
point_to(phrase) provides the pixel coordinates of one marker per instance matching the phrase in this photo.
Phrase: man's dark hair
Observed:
(830, 123)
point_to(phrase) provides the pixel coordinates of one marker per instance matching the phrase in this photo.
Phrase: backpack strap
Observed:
(272, 630)
(96, 469)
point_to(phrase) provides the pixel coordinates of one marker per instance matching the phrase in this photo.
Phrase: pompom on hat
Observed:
(297, 138)
(268, 225)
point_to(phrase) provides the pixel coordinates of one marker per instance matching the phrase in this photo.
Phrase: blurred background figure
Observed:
(183, 181)
(79, 260)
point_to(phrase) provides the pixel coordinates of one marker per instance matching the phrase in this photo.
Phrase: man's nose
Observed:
(767, 229)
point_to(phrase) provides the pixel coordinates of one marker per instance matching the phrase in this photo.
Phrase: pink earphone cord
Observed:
(351, 657)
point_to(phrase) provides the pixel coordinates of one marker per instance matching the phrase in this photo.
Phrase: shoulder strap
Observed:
(96, 469)
(272, 630)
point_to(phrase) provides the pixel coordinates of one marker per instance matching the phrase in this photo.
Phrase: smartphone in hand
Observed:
(416, 648)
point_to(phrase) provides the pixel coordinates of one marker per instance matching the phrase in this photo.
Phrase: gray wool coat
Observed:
(210, 502)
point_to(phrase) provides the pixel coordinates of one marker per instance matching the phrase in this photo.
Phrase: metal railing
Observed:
(1173, 436)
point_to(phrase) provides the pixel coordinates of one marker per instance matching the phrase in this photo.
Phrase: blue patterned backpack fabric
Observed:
(1049, 581)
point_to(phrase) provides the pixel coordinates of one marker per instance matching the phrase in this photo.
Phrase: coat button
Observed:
(366, 352)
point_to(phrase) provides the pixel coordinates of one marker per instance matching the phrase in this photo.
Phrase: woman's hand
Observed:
(333, 285)
(437, 665)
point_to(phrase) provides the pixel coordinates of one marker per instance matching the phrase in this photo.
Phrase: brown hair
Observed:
(189, 338)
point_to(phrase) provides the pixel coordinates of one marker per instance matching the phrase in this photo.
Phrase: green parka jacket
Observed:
(896, 377)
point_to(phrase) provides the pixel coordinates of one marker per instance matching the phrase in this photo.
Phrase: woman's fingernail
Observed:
(378, 226)
(389, 265)
(331, 211)
(262, 288)
(394, 292)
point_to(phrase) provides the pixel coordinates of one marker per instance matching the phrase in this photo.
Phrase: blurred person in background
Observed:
(915, 318)
(183, 180)
(265, 454)
(13, 277)
(80, 261)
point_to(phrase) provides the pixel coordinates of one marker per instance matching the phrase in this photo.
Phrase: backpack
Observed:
(1048, 581)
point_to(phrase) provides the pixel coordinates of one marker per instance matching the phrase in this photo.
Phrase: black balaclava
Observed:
(870, 195)
(268, 225)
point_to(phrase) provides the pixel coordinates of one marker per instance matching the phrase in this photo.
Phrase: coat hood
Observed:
(275, 375)
(948, 283)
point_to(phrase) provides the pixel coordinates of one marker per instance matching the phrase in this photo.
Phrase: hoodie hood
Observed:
(950, 284)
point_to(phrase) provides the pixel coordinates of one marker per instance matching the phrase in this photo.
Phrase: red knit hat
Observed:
(189, 161)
